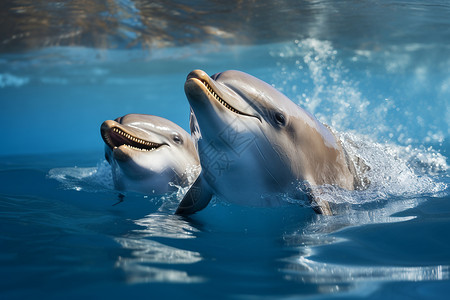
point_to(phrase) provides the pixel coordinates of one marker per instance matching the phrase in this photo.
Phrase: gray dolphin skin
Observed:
(256, 145)
(149, 154)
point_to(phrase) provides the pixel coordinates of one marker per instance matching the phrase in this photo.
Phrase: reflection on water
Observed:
(167, 226)
(318, 239)
(319, 231)
(319, 272)
(373, 213)
(147, 255)
(142, 265)
(126, 23)
(158, 254)
(29, 24)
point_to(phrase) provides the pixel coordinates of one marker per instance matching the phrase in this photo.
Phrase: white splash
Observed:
(316, 75)
(90, 179)
(402, 99)
(399, 171)
(319, 83)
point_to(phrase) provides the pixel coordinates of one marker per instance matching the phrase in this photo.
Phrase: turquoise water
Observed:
(376, 71)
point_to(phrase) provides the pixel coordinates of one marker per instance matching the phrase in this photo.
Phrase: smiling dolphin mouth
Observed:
(212, 92)
(115, 137)
(220, 100)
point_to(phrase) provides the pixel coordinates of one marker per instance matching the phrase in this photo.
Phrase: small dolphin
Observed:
(149, 154)
(255, 143)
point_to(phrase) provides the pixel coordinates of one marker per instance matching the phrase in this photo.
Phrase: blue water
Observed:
(378, 72)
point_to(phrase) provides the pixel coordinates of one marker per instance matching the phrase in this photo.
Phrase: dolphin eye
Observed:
(280, 119)
(177, 139)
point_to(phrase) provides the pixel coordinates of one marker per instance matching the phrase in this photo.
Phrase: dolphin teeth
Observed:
(146, 145)
(223, 102)
(220, 100)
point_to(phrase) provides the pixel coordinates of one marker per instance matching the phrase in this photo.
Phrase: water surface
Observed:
(375, 71)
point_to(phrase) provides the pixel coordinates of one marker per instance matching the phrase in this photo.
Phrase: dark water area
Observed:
(377, 72)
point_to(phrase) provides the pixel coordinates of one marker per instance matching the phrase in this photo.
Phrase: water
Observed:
(376, 71)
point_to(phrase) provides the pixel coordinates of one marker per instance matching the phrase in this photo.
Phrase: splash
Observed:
(393, 172)
(92, 179)
(191, 172)
(315, 77)
(385, 94)
(399, 171)
(100, 179)
(326, 82)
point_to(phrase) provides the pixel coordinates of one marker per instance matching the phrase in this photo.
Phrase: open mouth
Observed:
(223, 102)
(116, 137)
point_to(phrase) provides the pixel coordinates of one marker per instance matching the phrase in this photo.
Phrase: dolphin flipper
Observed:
(321, 206)
(197, 198)
(317, 200)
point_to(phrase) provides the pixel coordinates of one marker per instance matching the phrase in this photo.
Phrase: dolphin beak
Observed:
(104, 131)
(197, 74)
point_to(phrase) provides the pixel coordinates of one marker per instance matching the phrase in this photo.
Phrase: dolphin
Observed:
(149, 154)
(256, 145)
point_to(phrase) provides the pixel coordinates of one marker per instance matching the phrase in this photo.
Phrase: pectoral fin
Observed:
(196, 198)
(318, 201)
(315, 196)
(321, 206)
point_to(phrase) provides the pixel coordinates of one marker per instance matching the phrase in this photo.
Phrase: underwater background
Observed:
(377, 72)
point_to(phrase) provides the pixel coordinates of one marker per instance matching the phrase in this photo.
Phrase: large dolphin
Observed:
(256, 145)
(149, 154)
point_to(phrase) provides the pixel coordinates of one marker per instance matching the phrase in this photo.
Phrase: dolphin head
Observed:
(243, 122)
(254, 140)
(148, 152)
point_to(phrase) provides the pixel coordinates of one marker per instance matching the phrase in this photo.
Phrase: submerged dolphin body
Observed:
(147, 153)
(254, 144)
